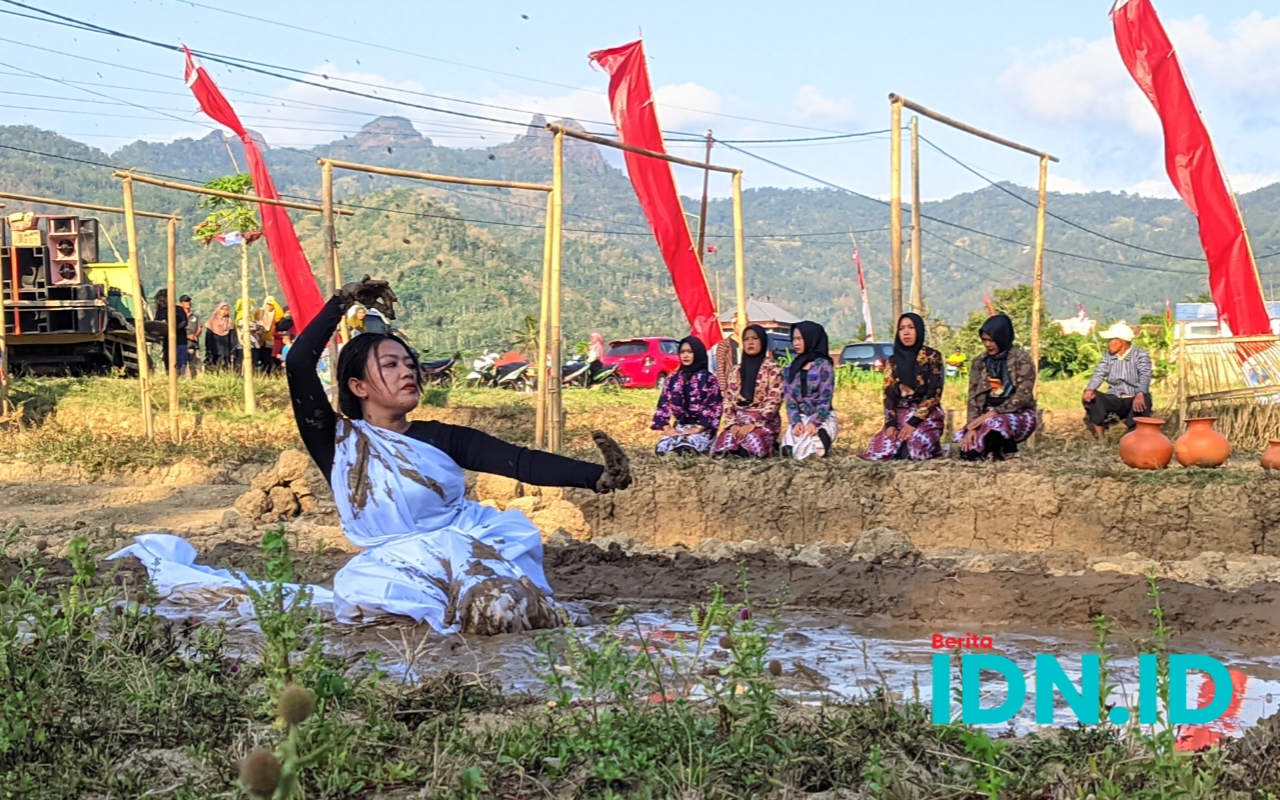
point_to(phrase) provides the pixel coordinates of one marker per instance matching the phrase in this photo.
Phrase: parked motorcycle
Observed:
(439, 372)
(578, 372)
(513, 376)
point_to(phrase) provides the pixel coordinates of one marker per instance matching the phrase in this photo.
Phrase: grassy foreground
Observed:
(101, 698)
(96, 422)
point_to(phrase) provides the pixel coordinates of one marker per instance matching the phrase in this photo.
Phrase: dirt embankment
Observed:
(1029, 505)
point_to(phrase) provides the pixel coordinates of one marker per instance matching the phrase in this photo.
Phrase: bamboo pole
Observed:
(4, 356)
(544, 323)
(330, 262)
(171, 275)
(430, 176)
(139, 309)
(244, 198)
(702, 213)
(47, 201)
(1037, 288)
(553, 382)
(1184, 366)
(895, 204)
(917, 256)
(945, 120)
(630, 148)
(246, 344)
(739, 260)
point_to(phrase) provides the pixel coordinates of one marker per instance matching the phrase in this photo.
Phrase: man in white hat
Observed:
(1127, 372)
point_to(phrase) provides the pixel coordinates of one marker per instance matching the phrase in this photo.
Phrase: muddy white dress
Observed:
(429, 553)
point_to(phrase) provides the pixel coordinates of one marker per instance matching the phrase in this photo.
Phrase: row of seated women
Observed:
(737, 412)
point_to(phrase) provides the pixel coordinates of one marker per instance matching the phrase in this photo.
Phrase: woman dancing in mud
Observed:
(429, 553)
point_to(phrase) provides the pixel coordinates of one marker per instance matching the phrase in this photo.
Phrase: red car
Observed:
(644, 362)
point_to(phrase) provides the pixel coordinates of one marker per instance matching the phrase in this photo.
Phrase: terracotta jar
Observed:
(1145, 447)
(1271, 458)
(1201, 445)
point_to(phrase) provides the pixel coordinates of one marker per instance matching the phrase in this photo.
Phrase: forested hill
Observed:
(469, 258)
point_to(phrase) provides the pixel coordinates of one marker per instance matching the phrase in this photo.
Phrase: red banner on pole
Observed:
(292, 268)
(1193, 167)
(631, 99)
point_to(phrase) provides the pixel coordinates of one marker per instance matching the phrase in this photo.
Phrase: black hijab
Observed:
(816, 348)
(700, 364)
(1000, 329)
(750, 367)
(904, 358)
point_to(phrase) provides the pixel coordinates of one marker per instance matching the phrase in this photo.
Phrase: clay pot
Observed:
(1145, 447)
(1271, 458)
(1201, 445)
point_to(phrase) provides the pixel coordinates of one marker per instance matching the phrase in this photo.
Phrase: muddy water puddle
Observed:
(824, 657)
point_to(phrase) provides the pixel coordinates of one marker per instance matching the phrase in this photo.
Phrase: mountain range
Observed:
(467, 261)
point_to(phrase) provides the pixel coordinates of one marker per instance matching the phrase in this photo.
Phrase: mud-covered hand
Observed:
(617, 467)
(371, 294)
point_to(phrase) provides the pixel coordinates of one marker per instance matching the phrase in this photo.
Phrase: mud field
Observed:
(1044, 542)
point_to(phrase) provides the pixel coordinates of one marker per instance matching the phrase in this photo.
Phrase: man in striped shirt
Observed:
(1127, 372)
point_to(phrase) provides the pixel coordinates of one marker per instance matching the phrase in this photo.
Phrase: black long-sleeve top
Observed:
(469, 448)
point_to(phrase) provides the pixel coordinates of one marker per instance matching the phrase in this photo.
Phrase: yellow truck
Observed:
(64, 311)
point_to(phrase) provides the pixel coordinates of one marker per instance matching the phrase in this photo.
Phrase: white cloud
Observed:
(1154, 188)
(1242, 182)
(810, 103)
(1075, 81)
(1062, 185)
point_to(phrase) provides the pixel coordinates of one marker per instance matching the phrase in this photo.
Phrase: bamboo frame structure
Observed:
(917, 257)
(895, 206)
(549, 401)
(64, 204)
(739, 268)
(896, 103)
(330, 265)
(139, 309)
(128, 178)
(171, 322)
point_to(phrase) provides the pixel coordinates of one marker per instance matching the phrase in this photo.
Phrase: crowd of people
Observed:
(217, 344)
(735, 409)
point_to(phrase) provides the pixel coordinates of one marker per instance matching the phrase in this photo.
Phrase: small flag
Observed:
(1168, 313)
(230, 239)
(866, 304)
(1083, 315)
(711, 248)
(991, 310)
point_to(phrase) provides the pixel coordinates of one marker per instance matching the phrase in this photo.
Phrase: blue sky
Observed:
(1042, 73)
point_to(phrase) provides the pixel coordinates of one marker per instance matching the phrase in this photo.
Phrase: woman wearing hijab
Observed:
(1002, 404)
(426, 551)
(180, 317)
(913, 415)
(690, 407)
(810, 384)
(220, 339)
(752, 398)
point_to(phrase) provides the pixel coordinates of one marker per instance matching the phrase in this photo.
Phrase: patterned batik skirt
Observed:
(759, 443)
(1000, 435)
(803, 445)
(687, 443)
(922, 445)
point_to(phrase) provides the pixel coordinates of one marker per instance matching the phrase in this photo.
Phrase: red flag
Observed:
(991, 310)
(1193, 167)
(866, 303)
(631, 99)
(296, 279)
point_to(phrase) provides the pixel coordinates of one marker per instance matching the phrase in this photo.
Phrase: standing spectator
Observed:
(283, 327)
(220, 341)
(193, 335)
(268, 316)
(180, 315)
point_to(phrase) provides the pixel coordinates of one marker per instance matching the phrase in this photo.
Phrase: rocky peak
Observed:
(535, 145)
(390, 132)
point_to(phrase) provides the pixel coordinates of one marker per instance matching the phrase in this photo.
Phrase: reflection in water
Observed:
(825, 657)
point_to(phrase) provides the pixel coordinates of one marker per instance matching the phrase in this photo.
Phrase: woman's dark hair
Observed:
(353, 362)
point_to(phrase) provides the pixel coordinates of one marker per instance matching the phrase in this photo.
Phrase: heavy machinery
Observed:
(64, 311)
